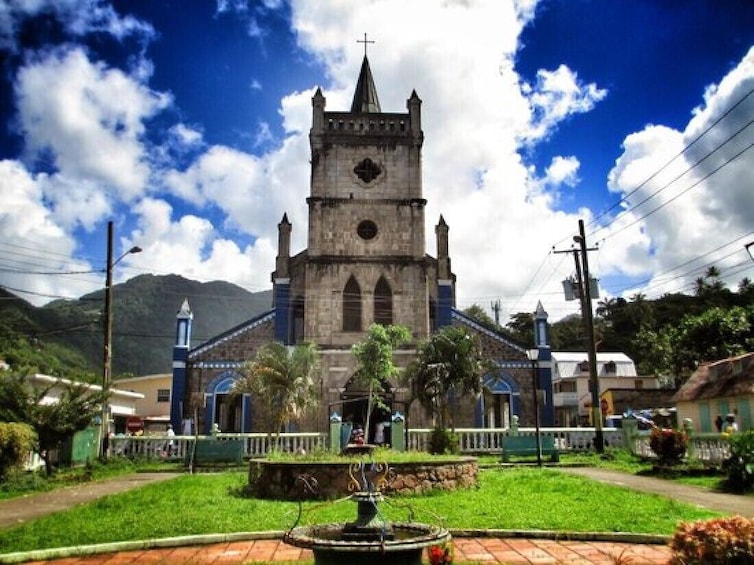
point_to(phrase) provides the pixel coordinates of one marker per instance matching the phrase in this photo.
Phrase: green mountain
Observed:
(144, 315)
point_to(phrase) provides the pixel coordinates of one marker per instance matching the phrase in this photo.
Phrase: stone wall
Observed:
(279, 480)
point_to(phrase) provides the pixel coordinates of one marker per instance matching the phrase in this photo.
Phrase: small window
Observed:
(367, 170)
(584, 367)
(568, 386)
(163, 395)
(367, 230)
(610, 368)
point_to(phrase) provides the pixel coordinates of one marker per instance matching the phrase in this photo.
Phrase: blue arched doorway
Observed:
(231, 413)
(500, 399)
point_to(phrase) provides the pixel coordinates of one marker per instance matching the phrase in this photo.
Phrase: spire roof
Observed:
(365, 100)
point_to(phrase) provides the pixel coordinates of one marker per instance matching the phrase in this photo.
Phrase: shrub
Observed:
(16, 440)
(669, 445)
(739, 467)
(443, 441)
(720, 541)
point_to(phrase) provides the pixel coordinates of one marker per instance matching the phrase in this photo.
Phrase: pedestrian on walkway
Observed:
(171, 435)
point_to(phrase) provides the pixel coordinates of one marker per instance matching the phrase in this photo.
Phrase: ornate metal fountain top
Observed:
(369, 476)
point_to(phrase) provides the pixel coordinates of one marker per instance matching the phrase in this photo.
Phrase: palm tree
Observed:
(606, 307)
(448, 364)
(285, 381)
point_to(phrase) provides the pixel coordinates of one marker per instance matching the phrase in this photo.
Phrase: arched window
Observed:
(383, 303)
(352, 306)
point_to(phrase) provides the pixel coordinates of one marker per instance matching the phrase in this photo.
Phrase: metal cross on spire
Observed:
(365, 41)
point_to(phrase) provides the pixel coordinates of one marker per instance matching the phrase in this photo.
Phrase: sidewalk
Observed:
(721, 502)
(508, 547)
(24, 508)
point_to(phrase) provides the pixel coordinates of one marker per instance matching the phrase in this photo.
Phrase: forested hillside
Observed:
(68, 334)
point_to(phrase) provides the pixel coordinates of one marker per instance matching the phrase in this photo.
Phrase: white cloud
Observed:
(190, 246)
(31, 241)
(186, 135)
(78, 17)
(689, 205)
(557, 95)
(89, 118)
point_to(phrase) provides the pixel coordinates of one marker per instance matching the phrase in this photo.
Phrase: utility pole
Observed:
(107, 360)
(594, 384)
(107, 350)
(584, 285)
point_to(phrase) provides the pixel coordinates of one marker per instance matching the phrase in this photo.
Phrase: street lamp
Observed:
(533, 355)
(108, 353)
(748, 247)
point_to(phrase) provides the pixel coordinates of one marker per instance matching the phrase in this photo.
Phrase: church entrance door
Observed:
(356, 405)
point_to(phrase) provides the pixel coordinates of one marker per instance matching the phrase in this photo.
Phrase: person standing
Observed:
(719, 423)
(171, 435)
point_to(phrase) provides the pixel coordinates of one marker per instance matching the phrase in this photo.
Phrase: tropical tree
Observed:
(53, 422)
(285, 381)
(374, 360)
(477, 312)
(676, 350)
(521, 326)
(448, 365)
(746, 287)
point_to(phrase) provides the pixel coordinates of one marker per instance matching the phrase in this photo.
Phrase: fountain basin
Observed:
(409, 539)
(279, 479)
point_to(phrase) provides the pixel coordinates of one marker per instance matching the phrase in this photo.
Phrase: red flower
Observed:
(440, 554)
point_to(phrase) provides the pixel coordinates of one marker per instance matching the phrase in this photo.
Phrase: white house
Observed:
(570, 382)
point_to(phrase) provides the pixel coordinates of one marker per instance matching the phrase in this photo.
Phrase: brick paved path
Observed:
(486, 550)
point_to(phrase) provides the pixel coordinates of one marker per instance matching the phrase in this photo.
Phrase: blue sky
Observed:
(186, 124)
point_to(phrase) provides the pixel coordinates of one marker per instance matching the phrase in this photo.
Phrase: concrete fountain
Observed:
(369, 539)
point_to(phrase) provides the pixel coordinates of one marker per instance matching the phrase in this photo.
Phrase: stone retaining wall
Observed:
(279, 479)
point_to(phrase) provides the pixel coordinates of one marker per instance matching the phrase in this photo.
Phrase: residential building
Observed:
(719, 388)
(571, 387)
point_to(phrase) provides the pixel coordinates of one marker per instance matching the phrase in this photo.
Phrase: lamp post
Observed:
(748, 247)
(533, 355)
(107, 352)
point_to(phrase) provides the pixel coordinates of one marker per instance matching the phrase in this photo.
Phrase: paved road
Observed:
(22, 509)
(706, 498)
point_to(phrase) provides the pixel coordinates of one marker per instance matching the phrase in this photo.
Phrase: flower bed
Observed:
(280, 479)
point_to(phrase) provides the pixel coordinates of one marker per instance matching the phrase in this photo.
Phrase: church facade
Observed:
(365, 263)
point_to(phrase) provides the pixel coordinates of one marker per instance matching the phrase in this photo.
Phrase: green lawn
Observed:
(516, 498)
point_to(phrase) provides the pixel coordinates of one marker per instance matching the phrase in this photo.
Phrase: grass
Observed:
(519, 498)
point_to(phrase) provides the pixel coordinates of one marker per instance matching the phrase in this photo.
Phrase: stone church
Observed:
(366, 262)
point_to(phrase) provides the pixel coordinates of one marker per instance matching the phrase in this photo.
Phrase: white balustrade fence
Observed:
(489, 440)
(256, 444)
(711, 448)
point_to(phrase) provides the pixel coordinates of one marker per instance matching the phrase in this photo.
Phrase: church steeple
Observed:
(365, 100)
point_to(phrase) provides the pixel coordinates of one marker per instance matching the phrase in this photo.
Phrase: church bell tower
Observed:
(366, 260)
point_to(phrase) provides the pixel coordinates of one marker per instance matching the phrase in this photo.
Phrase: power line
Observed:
(680, 153)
